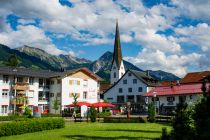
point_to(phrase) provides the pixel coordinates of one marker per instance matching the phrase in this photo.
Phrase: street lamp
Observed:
(154, 95)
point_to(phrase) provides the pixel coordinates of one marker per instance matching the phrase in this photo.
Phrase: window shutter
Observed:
(70, 94)
(78, 94)
(78, 82)
(70, 82)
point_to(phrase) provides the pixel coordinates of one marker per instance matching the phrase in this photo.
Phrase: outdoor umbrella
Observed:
(102, 104)
(80, 104)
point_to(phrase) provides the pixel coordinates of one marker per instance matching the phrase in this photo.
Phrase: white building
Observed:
(167, 97)
(26, 87)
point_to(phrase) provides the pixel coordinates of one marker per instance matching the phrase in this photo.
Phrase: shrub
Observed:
(30, 125)
(10, 118)
(93, 114)
(125, 120)
(103, 114)
(28, 112)
(151, 112)
(50, 115)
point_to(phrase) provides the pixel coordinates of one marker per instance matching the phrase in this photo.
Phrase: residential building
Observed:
(167, 97)
(130, 88)
(21, 87)
(194, 77)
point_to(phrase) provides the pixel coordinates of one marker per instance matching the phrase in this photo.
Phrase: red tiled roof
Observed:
(176, 90)
(194, 77)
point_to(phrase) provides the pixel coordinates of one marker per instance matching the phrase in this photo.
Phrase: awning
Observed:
(80, 104)
(102, 104)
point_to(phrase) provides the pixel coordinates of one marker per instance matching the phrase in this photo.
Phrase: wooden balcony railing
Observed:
(21, 86)
(19, 100)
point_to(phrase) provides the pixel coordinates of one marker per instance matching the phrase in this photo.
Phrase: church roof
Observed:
(117, 56)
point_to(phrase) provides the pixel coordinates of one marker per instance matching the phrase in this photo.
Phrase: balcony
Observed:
(19, 100)
(21, 86)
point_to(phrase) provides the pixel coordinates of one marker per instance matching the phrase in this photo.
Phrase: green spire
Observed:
(117, 56)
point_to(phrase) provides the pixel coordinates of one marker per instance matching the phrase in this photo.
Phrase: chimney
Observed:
(147, 73)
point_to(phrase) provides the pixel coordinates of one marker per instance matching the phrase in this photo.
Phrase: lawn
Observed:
(96, 131)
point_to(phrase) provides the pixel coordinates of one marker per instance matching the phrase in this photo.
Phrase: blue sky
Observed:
(169, 35)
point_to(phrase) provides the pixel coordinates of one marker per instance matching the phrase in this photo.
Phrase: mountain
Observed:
(39, 59)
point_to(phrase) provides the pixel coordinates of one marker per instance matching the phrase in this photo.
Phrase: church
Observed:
(128, 86)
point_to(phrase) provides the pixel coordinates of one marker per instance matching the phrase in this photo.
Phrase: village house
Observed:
(20, 87)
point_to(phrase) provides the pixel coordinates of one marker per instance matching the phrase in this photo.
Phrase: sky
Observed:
(168, 35)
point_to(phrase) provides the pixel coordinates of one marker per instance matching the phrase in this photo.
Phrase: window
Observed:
(41, 83)
(74, 82)
(58, 94)
(109, 98)
(85, 95)
(129, 89)
(114, 74)
(85, 83)
(140, 89)
(19, 79)
(4, 108)
(124, 81)
(120, 99)
(129, 74)
(5, 79)
(40, 95)
(47, 84)
(4, 93)
(183, 98)
(170, 99)
(51, 94)
(134, 81)
(52, 82)
(31, 80)
(140, 99)
(130, 98)
(31, 94)
(120, 90)
(191, 97)
(58, 81)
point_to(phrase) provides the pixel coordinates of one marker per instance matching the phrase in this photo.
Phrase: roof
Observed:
(147, 79)
(117, 55)
(176, 90)
(27, 72)
(142, 76)
(44, 73)
(194, 77)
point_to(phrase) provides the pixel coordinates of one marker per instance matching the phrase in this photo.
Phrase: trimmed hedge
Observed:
(10, 118)
(103, 114)
(125, 120)
(30, 125)
(51, 115)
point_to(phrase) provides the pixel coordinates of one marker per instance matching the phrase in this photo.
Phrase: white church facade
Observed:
(127, 86)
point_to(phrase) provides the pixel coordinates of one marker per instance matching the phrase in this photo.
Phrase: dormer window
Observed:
(114, 74)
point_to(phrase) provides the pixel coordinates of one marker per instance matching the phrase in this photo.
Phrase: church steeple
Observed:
(117, 56)
(117, 70)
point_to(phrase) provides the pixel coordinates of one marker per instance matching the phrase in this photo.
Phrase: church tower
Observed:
(117, 68)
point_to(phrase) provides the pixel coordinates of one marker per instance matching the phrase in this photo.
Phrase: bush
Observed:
(125, 120)
(50, 115)
(103, 114)
(28, 112)
(30, 125)
(93, 114)
(10, 118)
(151, 112)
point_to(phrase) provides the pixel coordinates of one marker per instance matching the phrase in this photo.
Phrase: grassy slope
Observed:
(96, 131)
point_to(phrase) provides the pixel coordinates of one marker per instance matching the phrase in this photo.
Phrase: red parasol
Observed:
(80, 104)
(102, 104)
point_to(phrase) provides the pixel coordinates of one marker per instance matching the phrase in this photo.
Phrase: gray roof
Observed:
(147, 79)
(27, 72)
(42, 73)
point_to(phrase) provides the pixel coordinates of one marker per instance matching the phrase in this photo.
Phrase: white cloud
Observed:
(197, 9)
(158, 60)
(198, 35)
(31, 36)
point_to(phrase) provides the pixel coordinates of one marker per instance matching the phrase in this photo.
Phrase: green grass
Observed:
(97, 131)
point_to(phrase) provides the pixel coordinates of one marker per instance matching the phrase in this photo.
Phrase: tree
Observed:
(151, 112)
(12, 61)
(56, 104)
(28, 112)
(75, 97)
(93, 114)
(202, 113)
(181, 124)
